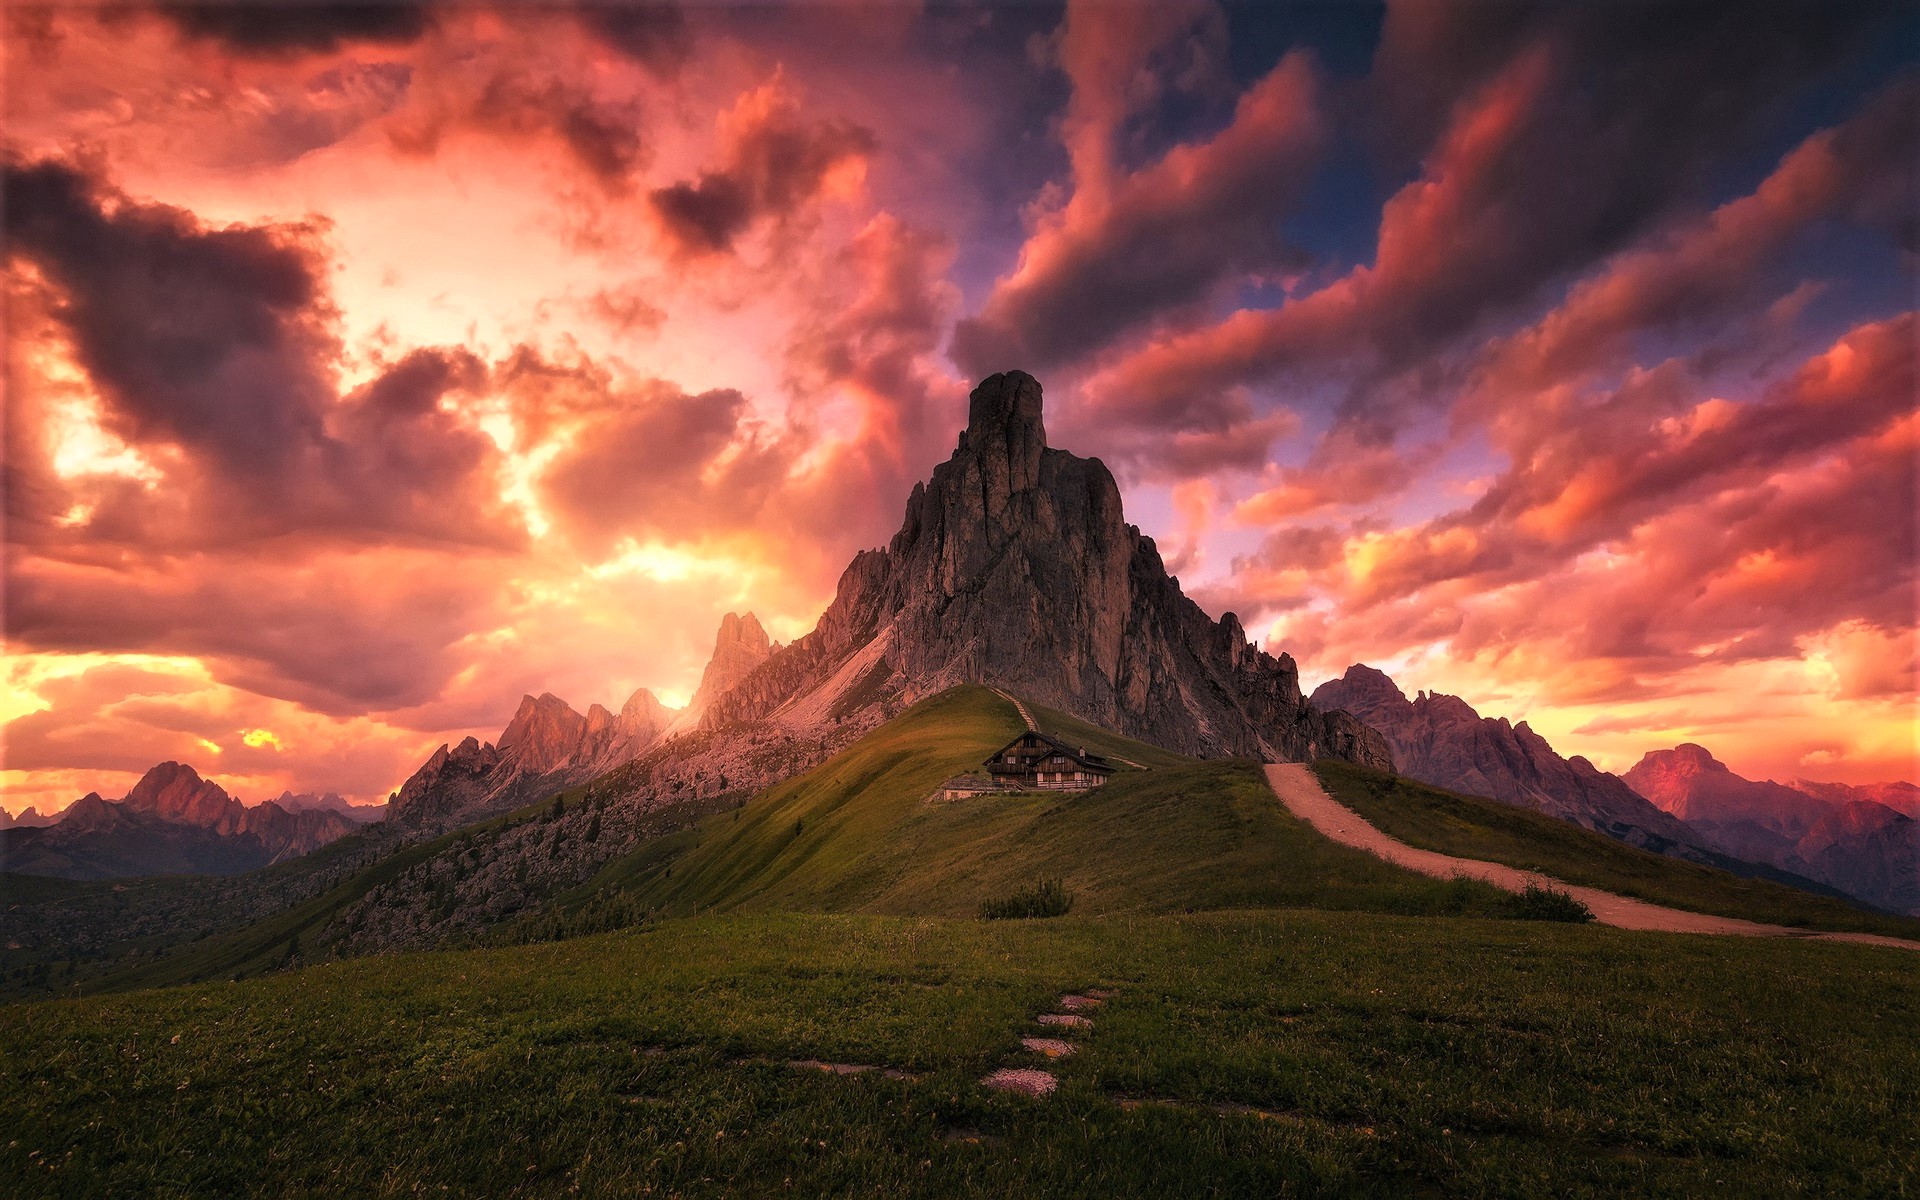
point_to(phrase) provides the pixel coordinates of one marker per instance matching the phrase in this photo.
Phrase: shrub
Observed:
(1548, 904)
(1049, 898)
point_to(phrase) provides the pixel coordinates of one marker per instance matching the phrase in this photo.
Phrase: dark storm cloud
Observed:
(278, 28)
(1158, 239)
(219, 343)
(774, 161)
(214, 338)
(603, 138)
(654, 35)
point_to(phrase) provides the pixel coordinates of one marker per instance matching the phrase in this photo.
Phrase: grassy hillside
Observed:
(1474, 827)
(1253, 1053)
(859, 834)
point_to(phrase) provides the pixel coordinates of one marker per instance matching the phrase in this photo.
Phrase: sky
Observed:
(372, 365)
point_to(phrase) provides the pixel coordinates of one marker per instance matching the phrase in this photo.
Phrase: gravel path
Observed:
(1301, 792)
(1024, 714)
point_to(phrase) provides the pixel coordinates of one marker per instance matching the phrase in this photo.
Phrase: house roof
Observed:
(1077, 754)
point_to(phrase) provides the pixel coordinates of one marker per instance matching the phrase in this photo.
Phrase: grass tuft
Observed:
(1048, 898)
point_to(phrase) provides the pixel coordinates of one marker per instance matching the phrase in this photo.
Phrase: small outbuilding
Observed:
(1036, 761)
(966, 787)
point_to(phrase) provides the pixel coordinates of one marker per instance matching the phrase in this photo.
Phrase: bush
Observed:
(1050, 898)
(1548, 904)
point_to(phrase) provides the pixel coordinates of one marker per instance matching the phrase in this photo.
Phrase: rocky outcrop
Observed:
(1864, 848)
(1015, 567)
(1441, 740)
(171, 822)
(28, 818)
(546, 747)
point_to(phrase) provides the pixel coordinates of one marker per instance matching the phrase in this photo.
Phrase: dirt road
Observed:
(1301, 792)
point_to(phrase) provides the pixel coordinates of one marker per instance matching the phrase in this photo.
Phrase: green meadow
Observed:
(1288, 1017)
(1243, 1053)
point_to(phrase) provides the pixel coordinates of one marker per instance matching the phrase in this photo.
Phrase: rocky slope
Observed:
(1862, 847)
(1015, 567)
(1441, 740)
(171, 822)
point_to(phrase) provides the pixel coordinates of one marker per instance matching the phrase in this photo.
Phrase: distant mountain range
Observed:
(1681, 802)
(1829, 832)
(1441, 740)
(175, 822)
(546, 747)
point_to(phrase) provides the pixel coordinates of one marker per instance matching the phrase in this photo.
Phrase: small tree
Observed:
(559, 807)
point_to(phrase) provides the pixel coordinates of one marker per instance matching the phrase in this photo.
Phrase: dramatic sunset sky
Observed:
(369, 367)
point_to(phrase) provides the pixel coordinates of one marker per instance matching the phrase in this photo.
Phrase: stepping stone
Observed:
(1051, 1047)
(1064, 1020)
(1079, 1003)
(1020, 1080)
(1100, 993)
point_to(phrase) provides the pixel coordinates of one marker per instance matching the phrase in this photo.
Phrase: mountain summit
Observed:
(1015, 567)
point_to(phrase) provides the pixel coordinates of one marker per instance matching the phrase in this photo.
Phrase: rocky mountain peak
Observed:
(1007, 435)
(740, 646)
(1015, 566)
(1361, 690)
(642, 717)
(600, 721)
(175, 792)
(544, 733)
(1686, 756)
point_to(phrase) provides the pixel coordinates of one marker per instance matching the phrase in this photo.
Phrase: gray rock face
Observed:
(1441, 740)
(1015, 567)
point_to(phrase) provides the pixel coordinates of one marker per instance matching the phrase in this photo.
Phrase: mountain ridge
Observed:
(172, 821)
(1442, 740)
(1863, 847)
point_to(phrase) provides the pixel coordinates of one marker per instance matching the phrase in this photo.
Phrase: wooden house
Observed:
(1039, 762)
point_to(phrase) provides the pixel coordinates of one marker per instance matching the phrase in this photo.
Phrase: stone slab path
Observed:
(1299, 789)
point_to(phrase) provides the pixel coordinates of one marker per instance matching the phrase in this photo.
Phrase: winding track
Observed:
(1301, 792)
(1021, 708)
